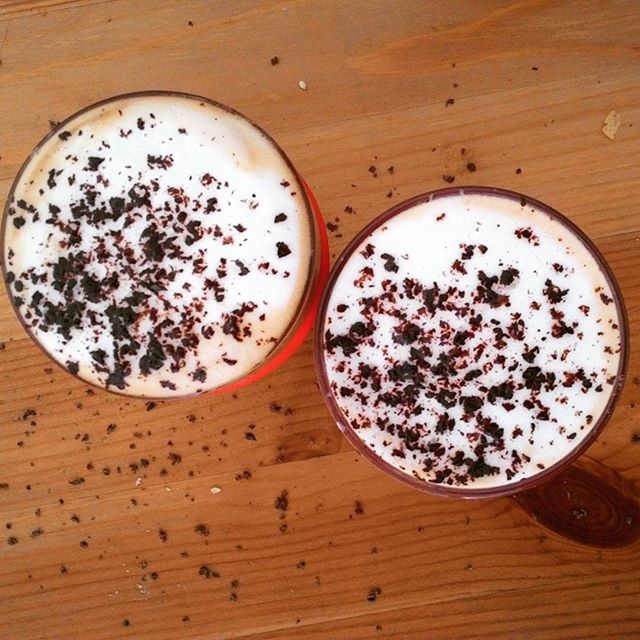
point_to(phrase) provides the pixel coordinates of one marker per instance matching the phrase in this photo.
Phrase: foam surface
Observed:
(471, 341)
(158, 246)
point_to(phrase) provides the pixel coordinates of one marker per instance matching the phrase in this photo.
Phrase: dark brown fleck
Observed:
(282, 501)
(207, 572)
(373, 594)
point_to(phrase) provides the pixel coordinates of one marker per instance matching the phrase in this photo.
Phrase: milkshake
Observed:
(160, 245)
(470, 340)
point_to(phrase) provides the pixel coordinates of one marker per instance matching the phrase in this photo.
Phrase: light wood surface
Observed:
(532, 82)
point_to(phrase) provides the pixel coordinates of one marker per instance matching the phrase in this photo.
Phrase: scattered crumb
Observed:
(373, 594)
(215, 490)
(303, 85)
(448, 178)
(449, 102)
(611, 124)
(471, 166)
(518, 171)
(206, 571)
(275, 60)
(282, 501)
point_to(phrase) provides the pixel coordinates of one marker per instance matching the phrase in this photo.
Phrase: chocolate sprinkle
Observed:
(283, 249)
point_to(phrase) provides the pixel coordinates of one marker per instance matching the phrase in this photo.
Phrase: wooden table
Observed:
(106, 496)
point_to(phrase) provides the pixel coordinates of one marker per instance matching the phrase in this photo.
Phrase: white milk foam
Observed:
(158, 245)
(458, 379)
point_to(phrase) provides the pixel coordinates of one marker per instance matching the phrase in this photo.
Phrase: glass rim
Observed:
(315, 244)
(467, 492)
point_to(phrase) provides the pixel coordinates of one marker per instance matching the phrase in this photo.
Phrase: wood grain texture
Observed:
(532, 82)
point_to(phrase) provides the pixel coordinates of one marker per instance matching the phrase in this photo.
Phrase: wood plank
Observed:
(602, 611)
(19, 8)
(379, 77)
(311, 571)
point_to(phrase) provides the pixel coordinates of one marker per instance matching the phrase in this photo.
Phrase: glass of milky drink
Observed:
(160, 244)
(471, 342)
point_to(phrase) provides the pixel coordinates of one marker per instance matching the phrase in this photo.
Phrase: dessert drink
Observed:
(159, 244)
(470, 339)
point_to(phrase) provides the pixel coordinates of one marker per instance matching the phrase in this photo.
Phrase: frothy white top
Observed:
(158, 245)
(453, 375)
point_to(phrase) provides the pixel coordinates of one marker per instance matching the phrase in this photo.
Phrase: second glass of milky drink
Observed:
(471, 342)
(162, 245)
